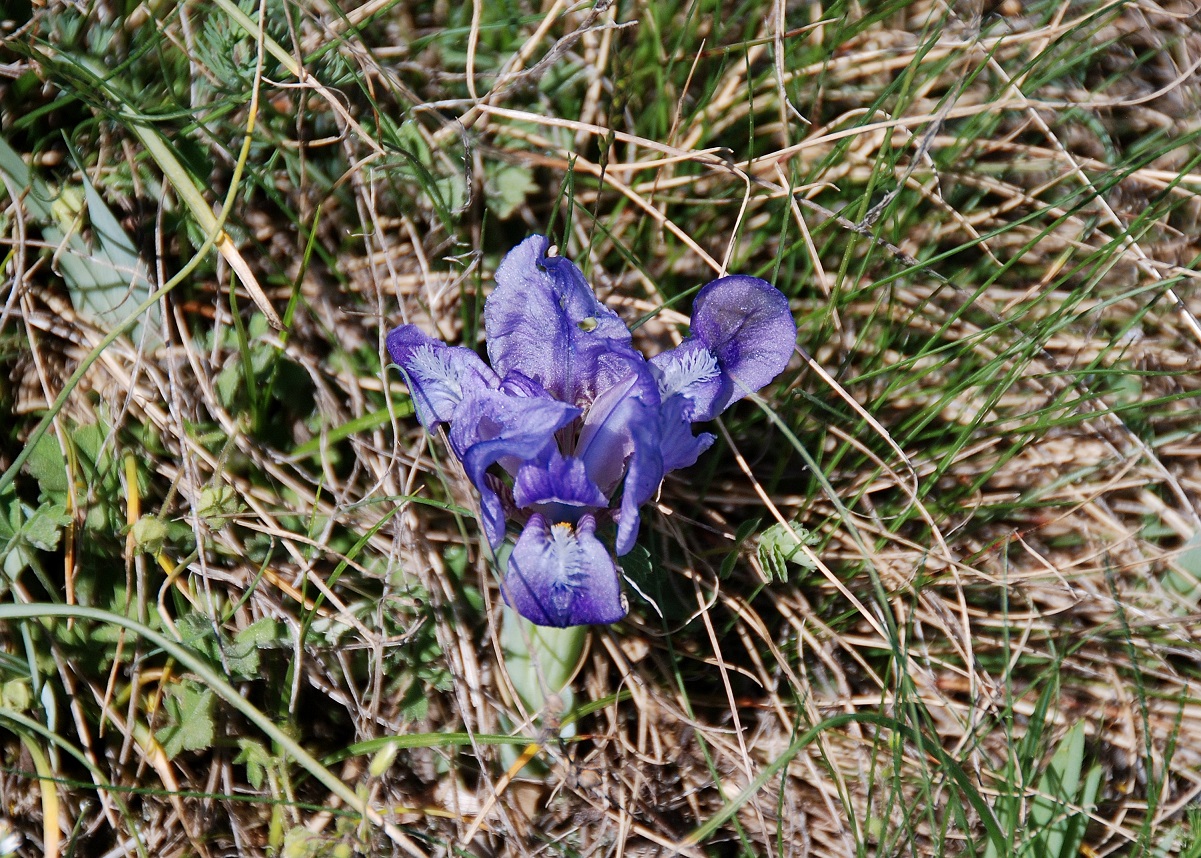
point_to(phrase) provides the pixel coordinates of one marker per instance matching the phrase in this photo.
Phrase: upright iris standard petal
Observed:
(562, 575)
(606, 439)
(643, 478)
(544, 321)
(494, 426)
(439, 376)
(746, 324)
(619, 440)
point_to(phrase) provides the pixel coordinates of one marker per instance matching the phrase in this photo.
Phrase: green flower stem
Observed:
(541, 660)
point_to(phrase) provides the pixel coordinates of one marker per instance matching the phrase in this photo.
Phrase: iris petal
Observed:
(742, 337)
(561, 481)
(681, 448)
(560, 575)
(606, 438)
(544, 321)
(643, 477)
(439, 376)
(620, 440)
(495, 425)
(746, 324)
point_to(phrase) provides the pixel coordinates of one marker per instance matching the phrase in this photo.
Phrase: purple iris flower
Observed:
(569, 428)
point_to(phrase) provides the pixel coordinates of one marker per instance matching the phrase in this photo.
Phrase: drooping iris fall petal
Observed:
(561, 575)
(439, 376)
(742, 336)
(745, 323)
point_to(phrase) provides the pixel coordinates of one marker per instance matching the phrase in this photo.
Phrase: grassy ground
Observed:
(244, 608)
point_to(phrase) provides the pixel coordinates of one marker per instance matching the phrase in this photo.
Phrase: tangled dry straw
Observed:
(999, 389)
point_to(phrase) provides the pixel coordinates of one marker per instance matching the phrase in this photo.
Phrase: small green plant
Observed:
(779, 546)
(189, 708)
(27, 531)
